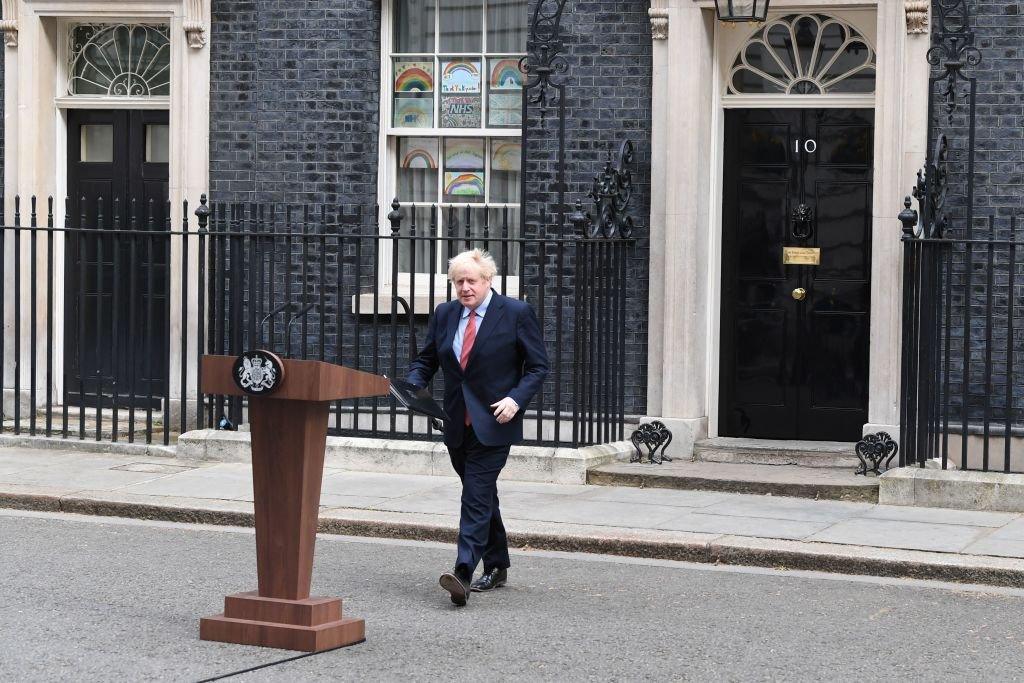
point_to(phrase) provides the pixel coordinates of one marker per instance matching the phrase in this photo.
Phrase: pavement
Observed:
(108, 599)
(696, 526)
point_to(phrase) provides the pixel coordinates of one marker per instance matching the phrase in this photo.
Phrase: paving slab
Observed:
(777, 507)
(230, 481)
(758, 527)
(998, 547)
(946, 538)
(655, 496)
(603, 513)
(903, 513)
(90, 472)
(371, 484)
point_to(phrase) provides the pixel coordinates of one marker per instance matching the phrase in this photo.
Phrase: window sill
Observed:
(421, 304)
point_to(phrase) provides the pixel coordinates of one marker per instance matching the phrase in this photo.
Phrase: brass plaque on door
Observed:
(801, 256)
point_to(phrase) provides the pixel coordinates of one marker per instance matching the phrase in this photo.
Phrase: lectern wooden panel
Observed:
(289, 435)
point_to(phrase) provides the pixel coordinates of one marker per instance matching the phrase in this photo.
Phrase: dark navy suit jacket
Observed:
(508, 359)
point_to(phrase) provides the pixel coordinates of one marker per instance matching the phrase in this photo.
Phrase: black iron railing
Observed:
(306, 284)
(101, 327)
(962, 386)
(107, 315)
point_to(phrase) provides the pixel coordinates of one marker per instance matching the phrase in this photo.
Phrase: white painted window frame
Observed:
(387, 179)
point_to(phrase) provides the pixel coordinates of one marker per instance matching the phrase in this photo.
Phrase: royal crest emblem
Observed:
(257, 372)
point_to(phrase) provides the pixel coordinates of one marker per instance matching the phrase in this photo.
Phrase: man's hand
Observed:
(505, 410)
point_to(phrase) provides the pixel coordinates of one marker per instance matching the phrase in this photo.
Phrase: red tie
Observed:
(467, 345)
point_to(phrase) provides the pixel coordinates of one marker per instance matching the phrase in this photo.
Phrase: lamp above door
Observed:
(741, 10)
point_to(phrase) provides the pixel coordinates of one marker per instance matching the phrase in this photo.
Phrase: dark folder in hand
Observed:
(417, 400)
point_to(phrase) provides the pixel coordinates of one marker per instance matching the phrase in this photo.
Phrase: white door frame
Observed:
(683, 359)
(35, 152)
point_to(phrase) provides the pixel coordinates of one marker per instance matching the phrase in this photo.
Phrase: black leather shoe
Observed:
(490, 580)
(456, 586)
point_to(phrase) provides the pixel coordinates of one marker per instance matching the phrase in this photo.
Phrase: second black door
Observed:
(116, 277)
(794, 336)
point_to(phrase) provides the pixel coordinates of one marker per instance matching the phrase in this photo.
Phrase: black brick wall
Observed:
(608, 99)
(294, 101)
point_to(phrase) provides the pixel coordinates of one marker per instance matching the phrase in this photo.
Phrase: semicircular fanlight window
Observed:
(804, 54)
(120, 60)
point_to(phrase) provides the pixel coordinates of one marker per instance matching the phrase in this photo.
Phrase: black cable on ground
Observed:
(268, 664)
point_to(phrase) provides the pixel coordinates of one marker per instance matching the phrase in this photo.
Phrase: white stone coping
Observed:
(395, 456)
(959, 489)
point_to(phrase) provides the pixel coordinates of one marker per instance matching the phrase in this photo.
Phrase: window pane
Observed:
(414, 93)
(462, 26)
(504, 93)
(414, 26)
(157, 143)
(123, 60)
(463, 170)
(420, 218)
(506, 25)
(504, 223)
(506, 160)
(417, 169)
(460, 93)
(97, 143)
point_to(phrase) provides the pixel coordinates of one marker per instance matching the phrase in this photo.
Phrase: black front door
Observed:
(116, 277)
(794, 336)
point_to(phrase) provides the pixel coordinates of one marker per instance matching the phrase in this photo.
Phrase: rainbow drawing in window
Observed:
(460, 76)
(418, 153)
(465, 154)
(505, 75)
(506, 156)
(464, 184)
(414, 112)
(414, 76)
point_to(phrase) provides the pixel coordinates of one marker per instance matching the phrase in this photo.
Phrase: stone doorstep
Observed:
(837, 454)
(396, 456)
(829, 483)
(958, 489)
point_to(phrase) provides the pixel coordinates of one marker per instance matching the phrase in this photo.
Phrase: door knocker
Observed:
(802, 217)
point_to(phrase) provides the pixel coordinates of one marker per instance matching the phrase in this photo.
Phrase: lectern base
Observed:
(310, 625)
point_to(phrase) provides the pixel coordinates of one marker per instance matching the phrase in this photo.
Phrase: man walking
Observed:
(491, 352)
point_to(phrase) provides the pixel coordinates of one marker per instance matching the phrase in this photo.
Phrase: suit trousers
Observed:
(481, 532)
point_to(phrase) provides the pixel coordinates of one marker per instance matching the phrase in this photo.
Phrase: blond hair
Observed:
(474, 257)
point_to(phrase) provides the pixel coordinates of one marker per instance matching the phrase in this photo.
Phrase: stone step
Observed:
(137, 427)
(838, 454)
(796, 481)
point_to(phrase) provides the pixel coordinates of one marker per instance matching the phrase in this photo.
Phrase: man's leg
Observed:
(496, 554)
(479, 499)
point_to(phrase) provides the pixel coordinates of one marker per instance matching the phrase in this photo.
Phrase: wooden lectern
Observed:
(289, 433)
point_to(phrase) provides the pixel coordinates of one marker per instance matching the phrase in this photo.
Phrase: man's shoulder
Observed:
(447, 307)
(515, 307)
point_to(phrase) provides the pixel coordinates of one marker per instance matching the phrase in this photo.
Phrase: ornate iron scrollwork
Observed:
(930, 192)
(873, 449)
(611, 192)
(803, 220)
(653, 436)
(953, 50)
(544, 62)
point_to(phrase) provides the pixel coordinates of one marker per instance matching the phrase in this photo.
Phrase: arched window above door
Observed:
(119, 60)
(803, 54)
